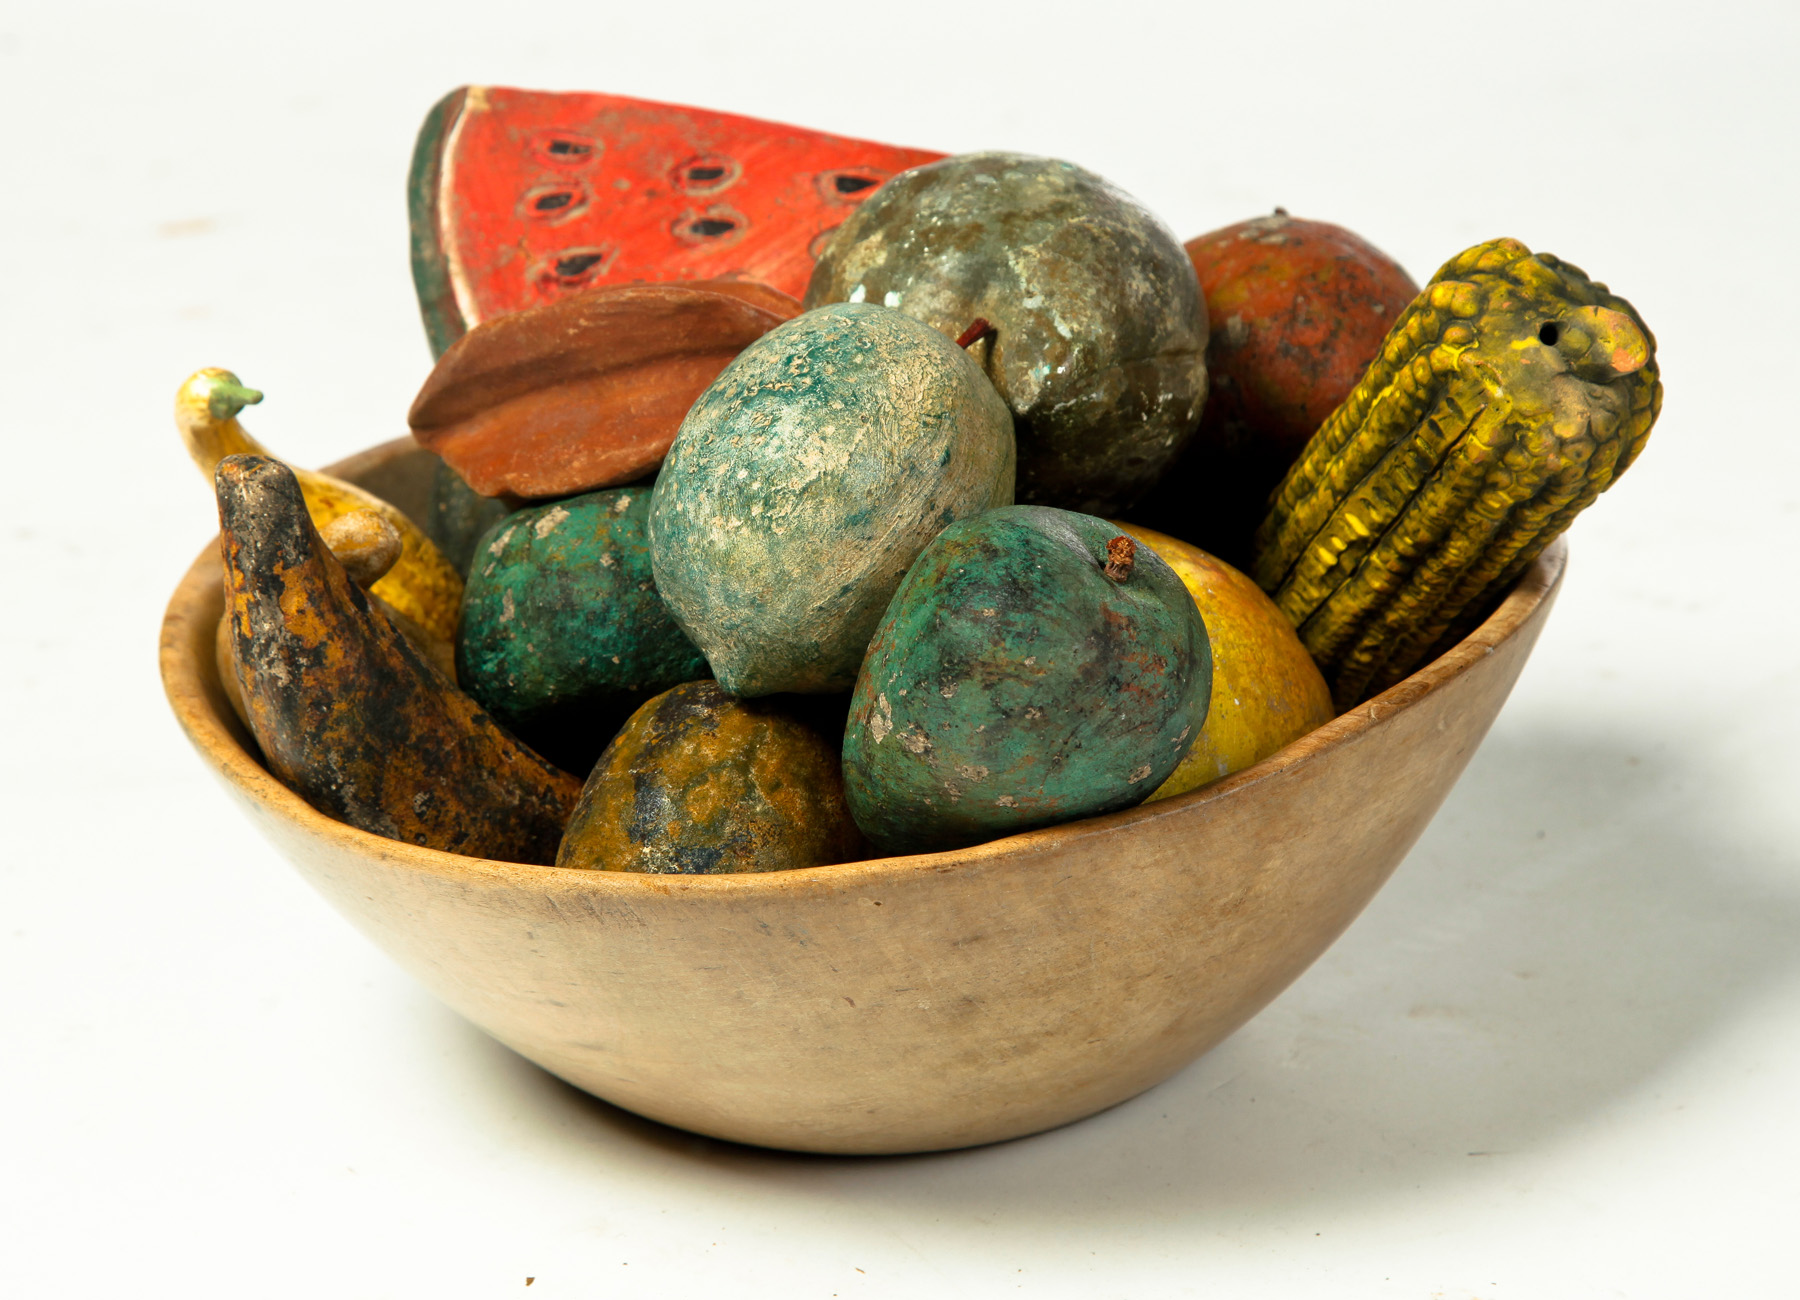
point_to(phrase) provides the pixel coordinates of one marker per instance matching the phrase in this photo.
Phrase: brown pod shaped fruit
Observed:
(700, 783)
(348, 714)
(588, 391)
(1298, 311)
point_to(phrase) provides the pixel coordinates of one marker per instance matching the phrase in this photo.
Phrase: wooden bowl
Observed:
(905, 1004)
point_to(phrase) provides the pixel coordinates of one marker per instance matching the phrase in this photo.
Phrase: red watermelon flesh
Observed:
(520, 196)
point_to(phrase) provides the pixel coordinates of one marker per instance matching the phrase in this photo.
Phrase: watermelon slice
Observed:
(518, 197)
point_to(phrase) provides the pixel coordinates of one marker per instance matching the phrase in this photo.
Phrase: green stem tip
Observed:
(228, 397)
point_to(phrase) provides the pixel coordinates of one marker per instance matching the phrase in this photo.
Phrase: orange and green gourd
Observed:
(422, 584)
(701, 783)
(1506, 398)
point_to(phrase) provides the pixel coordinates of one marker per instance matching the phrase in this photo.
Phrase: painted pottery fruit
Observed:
(348, 715)
(1099, 335)
(1034, 667)
(1508, 396)
(520, 196)
(1266, 690)
(586, 392)
(422, 584)
(805, 481)
(563, 633)
(698, 782)
(367, 545)
(1298, 311)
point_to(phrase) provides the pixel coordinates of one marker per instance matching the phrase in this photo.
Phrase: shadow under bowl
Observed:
(905, 1004)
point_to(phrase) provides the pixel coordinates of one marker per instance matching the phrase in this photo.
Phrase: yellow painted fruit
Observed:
(1266, 691)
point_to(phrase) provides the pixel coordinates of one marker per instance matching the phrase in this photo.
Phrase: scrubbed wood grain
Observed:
(906, 1004)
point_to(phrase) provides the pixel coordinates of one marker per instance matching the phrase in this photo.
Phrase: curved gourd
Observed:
(423, 585)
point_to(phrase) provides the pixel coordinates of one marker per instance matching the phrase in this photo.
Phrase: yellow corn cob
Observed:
(423, 585)
(1505, 399)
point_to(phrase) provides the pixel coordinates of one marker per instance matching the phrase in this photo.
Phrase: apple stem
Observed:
(1121, 552)
(978, 330)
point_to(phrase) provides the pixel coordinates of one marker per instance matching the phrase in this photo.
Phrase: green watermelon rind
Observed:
(444, 323)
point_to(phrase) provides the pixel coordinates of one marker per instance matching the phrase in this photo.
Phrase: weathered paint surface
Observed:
(1507, 397)
(518, 197)
(805, 481)
(700, 783)
(1298, 311)
(1099, 343)
(347, 713)
(563, 633)
(1014, 685)
(1266, 690)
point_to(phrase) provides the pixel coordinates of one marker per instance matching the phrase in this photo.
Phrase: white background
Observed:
(1558, 1056)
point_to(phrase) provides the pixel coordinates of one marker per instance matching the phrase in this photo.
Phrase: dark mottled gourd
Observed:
(563, 633)
(347, 713)
(367, 545)
(1034, 667)
(805, 480)
(1508, 396)
(1099, 343)
(698, 782)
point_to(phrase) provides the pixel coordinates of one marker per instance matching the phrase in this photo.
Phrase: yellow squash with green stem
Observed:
(422, 584)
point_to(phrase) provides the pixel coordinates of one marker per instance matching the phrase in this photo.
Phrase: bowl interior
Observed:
(898, 1004)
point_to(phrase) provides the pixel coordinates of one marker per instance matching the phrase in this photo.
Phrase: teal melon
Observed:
(563, 633)
(1014, 684)
(804, 482)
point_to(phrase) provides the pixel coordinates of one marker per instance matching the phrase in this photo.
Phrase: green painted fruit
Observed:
(563, 633)
(1100, 331)
(1266, 690)
(700, 783)
(805, 481)
(1020, 679)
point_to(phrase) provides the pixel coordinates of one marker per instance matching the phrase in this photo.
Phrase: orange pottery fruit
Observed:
(1298, 310)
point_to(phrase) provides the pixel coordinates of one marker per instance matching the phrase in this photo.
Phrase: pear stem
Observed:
(978, 330)
(1121, 554)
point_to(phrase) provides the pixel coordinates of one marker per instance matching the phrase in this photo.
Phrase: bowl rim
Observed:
(185, 676)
